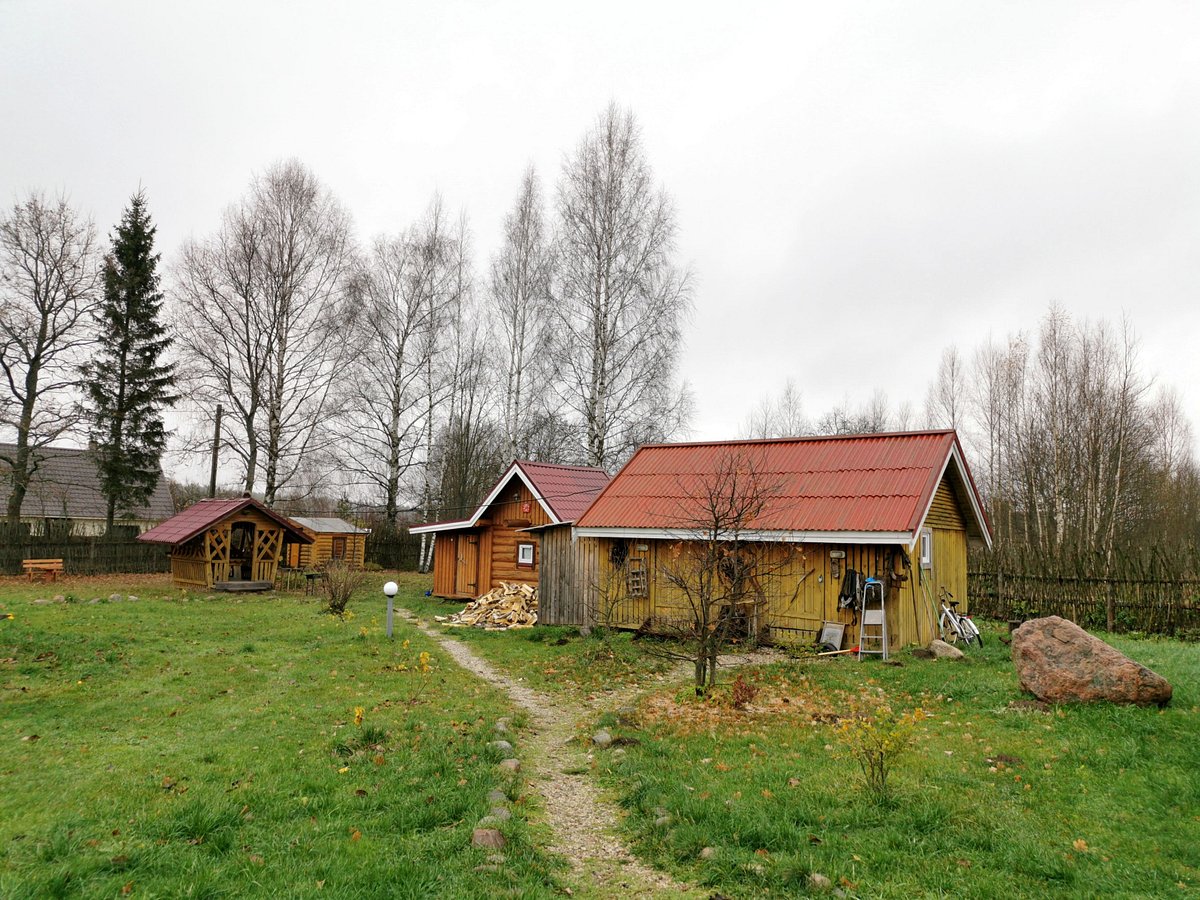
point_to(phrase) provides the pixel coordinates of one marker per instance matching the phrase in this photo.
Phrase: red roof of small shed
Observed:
(568, 490)
(203, 514)
(858, 484)
(563, 491)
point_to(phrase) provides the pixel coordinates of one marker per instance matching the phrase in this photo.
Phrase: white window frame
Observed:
(926, 548)
(525, 555)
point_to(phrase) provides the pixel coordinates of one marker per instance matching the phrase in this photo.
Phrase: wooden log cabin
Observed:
(471, 556)
(898, 507)
(332, 539)
(231, 545)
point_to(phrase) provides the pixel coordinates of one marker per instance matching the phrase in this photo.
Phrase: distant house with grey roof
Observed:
(64, 496)
(332, 538)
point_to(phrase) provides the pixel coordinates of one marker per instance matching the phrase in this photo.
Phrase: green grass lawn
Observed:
(209, 748)
(182, 746)
(991, 800)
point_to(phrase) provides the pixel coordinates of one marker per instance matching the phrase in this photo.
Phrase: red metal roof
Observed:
(853, 483)
(203, 514)
(567, 490)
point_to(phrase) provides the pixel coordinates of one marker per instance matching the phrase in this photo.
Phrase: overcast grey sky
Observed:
(858, 185)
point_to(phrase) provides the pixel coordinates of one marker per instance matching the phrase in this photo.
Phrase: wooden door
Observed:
(466, 574)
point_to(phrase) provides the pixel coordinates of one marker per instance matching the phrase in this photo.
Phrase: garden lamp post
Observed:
(390, 590)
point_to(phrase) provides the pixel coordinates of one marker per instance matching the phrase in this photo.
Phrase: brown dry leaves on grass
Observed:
(798, 701)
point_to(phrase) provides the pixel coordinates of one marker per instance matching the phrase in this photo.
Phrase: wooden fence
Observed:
(393, 549)
(87, 556)
(1156, 605)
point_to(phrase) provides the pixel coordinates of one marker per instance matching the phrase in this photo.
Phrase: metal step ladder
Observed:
(873, 630)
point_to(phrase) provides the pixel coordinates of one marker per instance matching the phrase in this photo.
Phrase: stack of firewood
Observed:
(508, 606)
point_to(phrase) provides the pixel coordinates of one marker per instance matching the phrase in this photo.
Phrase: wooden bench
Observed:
(45, 568)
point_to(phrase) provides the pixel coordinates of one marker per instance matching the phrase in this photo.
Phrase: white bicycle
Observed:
(955, 626)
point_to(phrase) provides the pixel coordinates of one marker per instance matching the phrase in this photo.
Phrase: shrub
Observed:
(339, 585)
(876, 740)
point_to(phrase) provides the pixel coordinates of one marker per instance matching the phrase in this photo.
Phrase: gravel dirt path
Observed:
(584, 824)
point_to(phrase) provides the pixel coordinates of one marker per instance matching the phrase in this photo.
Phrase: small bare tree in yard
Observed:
(720, 568)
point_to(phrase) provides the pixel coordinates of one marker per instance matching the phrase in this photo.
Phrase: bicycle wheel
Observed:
(976, 632)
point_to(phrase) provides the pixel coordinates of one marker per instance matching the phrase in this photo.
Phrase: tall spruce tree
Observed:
(129, 384)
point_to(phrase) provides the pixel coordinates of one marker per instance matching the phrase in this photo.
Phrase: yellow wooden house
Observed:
(333, 539)
(897, 507)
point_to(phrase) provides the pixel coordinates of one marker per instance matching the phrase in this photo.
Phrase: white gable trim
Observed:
(514, 469)
(439, 527)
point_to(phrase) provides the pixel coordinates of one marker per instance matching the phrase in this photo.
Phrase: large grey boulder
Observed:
(1059, 662)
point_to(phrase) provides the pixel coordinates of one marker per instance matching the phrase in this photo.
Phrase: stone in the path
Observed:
(115, 598)
(512, 766)
(497, 796)
(504, 747)
(708, 852)
(503, 726)
(942, 650)
(490, 838)
(132, 599)
(602, 738)
(59, 598)
(41, 601)
(1059, 662)
(499, 813)
(662, 821)
(488, 822)
(819, 882)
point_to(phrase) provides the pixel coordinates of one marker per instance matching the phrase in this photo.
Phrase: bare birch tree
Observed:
(519, 296)
(781, 416)
(620, 298)
(945, 403)
(262, 309)
(49, 287)
(383, 397)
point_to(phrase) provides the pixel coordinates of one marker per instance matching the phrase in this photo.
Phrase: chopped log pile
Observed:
(508, 606)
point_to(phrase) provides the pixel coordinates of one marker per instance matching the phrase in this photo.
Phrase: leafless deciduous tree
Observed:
(1073, 455)
(262, 313)
(945, 404)
(782, 416)
(392, 381)
(874, 416)
(620, 298)
(519, 296)
(49, 286)
(721, 577)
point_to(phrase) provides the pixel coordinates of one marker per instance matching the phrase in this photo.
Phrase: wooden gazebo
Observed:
(226, 545)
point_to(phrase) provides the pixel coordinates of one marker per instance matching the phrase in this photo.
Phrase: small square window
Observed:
(926, 548)
(525, 555)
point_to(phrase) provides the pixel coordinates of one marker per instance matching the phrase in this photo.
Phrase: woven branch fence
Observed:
(1152, 592)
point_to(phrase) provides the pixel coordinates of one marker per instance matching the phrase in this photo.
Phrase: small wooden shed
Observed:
(472, 556)
(231, 545)
(898, 507)
(332, 539)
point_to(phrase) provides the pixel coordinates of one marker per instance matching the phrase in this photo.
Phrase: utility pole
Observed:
(212, 475)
